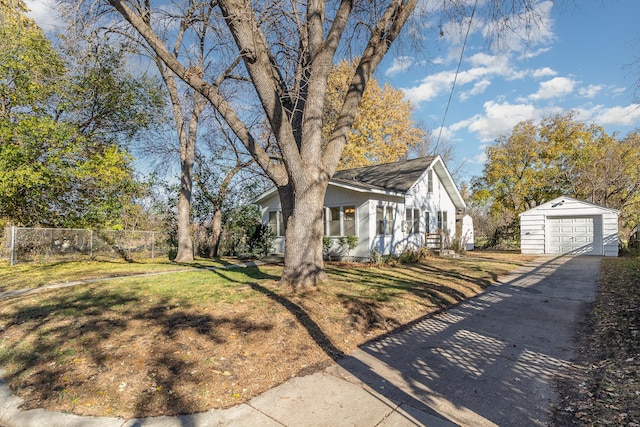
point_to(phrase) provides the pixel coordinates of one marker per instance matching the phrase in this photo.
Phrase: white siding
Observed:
(436, 201)
(532, 233)
(610, 233)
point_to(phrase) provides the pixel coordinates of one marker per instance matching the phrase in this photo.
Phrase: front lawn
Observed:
(29, 276)
(189, 341)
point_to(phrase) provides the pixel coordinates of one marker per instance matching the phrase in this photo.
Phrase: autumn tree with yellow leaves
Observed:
(560, 156)
(383, 130)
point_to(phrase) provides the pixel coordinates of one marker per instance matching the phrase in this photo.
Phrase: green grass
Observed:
(29, 276)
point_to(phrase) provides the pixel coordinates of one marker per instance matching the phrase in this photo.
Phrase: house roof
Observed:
(397, 176)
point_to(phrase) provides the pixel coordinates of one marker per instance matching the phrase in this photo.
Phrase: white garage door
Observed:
(575, 235)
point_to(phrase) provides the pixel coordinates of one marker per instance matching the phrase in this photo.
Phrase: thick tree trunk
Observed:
(302, 211)
(185, 244)
(216, 232)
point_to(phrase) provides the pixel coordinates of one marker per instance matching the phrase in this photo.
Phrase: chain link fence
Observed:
(22, 244)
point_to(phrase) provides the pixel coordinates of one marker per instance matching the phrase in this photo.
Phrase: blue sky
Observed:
(580, 57)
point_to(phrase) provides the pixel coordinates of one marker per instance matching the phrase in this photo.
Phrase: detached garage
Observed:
(569, 226)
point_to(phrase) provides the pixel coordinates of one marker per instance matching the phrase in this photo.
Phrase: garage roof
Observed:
(560, 201)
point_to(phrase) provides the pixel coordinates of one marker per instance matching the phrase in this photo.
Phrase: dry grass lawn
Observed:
(604, 389)
(189, 341)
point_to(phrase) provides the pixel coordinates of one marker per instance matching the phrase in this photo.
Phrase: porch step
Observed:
(446, 253)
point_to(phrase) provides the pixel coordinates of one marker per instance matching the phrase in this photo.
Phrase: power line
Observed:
(455, 78)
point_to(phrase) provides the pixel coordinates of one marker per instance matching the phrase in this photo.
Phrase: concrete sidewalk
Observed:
(485, 362)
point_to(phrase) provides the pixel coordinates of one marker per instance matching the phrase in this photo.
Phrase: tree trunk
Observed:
(216, 232)
(302, 212)
(185, 244)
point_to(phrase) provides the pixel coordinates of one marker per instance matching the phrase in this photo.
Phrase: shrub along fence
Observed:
(23, 244)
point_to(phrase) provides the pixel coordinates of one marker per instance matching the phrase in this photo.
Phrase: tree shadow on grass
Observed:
(314, 330)
(95, 315)
(47, 339)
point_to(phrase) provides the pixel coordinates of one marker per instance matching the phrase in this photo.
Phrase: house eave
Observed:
(365, 190)
(449, 184)
(264, 196)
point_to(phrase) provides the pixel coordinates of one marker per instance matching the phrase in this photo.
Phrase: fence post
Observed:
(91, 244)
(13, 245)
(153, 241)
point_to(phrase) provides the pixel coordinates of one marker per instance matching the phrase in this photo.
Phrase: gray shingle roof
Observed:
(397, 176)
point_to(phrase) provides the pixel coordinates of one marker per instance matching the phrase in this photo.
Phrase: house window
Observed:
(384, 220)
(427, 223)
(341, 221)
(380, 220)
(442, 221)
(349, 221)
(334, 222)
(413, 221)
(430, 181)
(276, 223)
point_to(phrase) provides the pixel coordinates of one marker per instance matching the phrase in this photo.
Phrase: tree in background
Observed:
(383, 130)
(283, 53)
(189, 39)
(61, 129)
(218, 164)
(558, 156)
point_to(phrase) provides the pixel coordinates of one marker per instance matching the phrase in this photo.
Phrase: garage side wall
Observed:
(610, 234)
(532, 233)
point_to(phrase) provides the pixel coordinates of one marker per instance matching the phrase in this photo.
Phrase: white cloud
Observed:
(482, 60)
(478, 88)
(399, 65)
(543, 72)
(516, 33)
(500, 118)
(527, 54)
(619, 115)
(478, 159)
(484, 68)
(554, 88)
(591, 91)
(430, 87)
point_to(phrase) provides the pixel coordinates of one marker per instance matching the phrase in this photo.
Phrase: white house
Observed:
(389, 207)
(569, 226)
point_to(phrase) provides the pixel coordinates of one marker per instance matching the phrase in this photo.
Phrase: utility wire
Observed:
(455, 78)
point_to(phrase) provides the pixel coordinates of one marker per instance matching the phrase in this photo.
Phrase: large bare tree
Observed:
(285, 50)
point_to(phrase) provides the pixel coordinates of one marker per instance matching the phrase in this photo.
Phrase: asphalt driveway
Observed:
(488, 361)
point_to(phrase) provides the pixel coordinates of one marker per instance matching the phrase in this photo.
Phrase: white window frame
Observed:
(387, 222)
(279, 231)
(443, 219)
(327, 221)
(412, 220)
